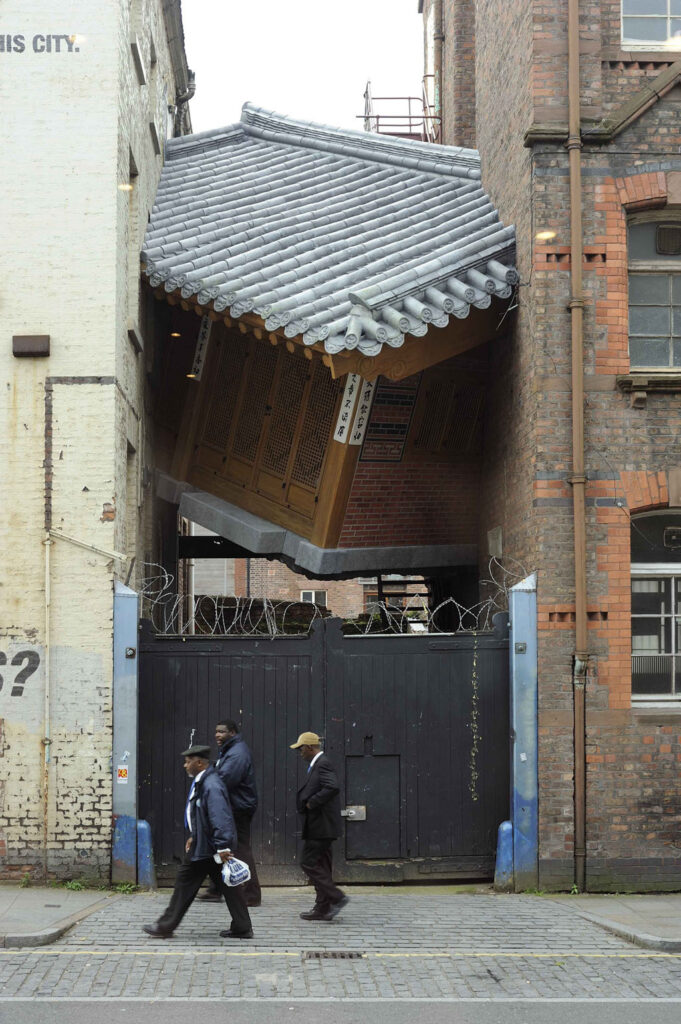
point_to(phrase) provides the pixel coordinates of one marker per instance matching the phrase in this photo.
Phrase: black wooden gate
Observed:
(417, 726)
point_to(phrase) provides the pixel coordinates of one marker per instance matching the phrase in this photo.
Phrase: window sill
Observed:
(656, 709)
(643, 50)
(640, 383)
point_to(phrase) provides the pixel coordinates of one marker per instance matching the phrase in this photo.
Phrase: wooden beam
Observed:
(338, 474)
(440, 344)
(195, 399)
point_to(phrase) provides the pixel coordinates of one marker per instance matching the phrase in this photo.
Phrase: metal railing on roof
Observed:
(414, 119)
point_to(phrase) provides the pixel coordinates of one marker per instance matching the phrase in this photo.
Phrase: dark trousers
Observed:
(251, 889)
(190, 875)
(242, 820)
(317, 861)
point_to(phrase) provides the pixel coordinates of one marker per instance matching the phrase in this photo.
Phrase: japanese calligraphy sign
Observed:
(347, 407)
(201, 347)
(359, 426)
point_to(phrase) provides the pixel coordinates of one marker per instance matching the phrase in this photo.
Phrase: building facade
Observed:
(90, 92)
(503, 81)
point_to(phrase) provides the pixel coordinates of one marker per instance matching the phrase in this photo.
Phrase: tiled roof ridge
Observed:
(420, 156)
(256, 122)
(344, 238)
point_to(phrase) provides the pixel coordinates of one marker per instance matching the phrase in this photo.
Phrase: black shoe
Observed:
(336, 907)
(158, 933)
(317, 915)
(229, 934)
(210, 896)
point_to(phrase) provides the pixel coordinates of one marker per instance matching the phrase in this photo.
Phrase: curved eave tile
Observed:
(348, 238)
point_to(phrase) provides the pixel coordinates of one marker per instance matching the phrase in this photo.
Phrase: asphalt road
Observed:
(383, 1011)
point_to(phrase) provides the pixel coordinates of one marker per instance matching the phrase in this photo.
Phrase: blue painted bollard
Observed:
(503, 871)
(146, 871)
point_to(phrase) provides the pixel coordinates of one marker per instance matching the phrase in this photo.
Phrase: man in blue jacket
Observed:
(212, 837)
(235, 767)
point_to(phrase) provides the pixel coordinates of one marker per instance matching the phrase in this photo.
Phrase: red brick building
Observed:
(599, 298)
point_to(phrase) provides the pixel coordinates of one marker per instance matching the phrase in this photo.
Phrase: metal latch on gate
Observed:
(357, 812)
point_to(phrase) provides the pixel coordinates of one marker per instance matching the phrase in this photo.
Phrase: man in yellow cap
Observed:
(318, 800)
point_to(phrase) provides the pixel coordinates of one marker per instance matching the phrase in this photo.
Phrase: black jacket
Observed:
(322, 820)
(214, 827)
(235, 767)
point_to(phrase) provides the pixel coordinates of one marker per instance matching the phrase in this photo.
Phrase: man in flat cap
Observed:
(318, 800)
(212, 836)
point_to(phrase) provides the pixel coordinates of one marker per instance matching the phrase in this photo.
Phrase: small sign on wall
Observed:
(122, 774)
(344, 421)
(201, 348)
(359, 426)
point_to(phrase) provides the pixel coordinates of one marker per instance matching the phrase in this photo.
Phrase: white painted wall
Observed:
(69, 267)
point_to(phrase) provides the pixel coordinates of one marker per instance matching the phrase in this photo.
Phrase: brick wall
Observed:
(399, 499)
(274, 580)
(70, 435)
(632, 752)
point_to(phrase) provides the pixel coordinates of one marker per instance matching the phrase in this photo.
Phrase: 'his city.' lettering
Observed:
(39, 43)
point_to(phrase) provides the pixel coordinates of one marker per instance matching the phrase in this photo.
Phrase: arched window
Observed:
(656, 606)
(655, 292)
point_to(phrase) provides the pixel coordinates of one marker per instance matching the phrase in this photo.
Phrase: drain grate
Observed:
(331, 954)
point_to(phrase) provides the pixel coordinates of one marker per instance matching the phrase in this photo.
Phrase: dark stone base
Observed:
(653, 874)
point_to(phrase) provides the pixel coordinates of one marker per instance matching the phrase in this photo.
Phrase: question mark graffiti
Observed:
(33, 660)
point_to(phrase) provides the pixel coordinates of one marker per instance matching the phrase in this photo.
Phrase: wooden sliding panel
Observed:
(282, 427)
(259, 382)
(265, 431)
(222, 406)
(314, 442)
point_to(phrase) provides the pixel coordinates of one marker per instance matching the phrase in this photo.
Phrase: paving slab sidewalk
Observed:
(651, 921)
(38, 915)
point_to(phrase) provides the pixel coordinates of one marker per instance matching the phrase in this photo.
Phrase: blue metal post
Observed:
(124, 762)
(524, 767)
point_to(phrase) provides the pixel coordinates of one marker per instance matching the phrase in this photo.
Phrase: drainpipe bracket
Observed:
(576, 304)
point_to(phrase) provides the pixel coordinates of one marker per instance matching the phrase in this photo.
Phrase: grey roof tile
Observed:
(345, 237)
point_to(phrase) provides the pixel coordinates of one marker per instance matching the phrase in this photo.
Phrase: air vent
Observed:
(668, 240)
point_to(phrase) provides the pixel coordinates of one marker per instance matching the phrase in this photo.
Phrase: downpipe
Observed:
(47, 736)
(578, 478)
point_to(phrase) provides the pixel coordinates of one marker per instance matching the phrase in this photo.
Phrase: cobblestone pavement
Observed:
(387, 943)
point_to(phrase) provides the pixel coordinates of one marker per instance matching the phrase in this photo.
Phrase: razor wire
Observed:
(174, 613)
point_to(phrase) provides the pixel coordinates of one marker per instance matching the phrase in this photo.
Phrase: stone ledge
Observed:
(645, 381)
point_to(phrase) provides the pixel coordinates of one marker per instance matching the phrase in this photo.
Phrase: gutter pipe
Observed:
(578, 478)
(438, 39)
(47, 735)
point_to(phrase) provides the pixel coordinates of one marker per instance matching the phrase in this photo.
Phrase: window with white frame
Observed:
(656, 607)
(317, 597)
(655, 293)
(651, 23)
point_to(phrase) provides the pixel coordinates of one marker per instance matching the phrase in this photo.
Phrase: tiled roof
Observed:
(346, 237)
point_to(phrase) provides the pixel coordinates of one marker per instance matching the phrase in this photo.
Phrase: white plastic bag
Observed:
(235, 872)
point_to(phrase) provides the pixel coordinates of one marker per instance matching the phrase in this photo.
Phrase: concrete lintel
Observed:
(266, 540)
(232, 522)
